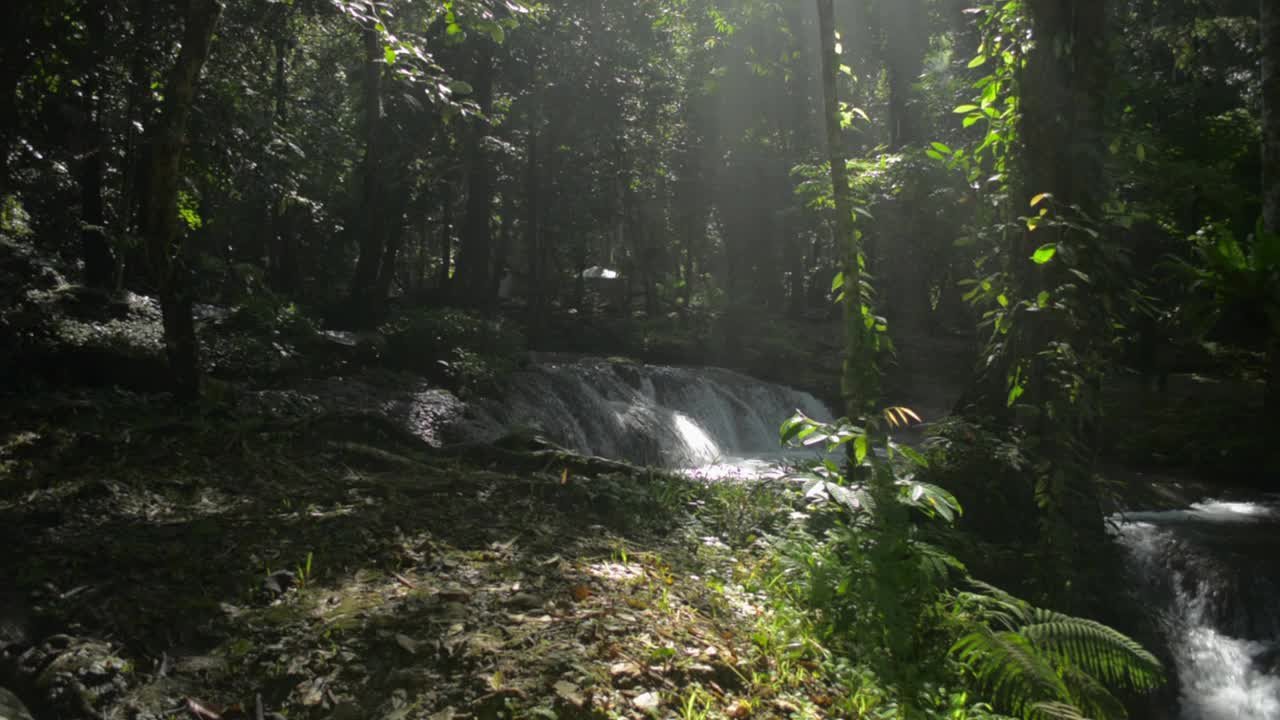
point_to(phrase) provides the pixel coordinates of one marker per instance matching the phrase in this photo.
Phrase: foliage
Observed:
(1044, 664)
(466, 350)
(891, 608)
(1234, 277)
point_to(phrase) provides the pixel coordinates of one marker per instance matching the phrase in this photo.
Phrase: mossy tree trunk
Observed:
(1063, 89)
(160, 212)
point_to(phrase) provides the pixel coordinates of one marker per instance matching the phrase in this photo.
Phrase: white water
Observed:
(650, 414)
(1211, 571)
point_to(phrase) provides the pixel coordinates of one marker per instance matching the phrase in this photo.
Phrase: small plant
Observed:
(304, 572)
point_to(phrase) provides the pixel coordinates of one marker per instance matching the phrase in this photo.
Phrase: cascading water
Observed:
(1212, 572)
(656, 415)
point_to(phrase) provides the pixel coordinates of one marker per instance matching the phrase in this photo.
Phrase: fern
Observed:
(1038, 663)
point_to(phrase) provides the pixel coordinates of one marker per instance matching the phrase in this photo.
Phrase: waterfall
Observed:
(1212, 574)
(649, 414)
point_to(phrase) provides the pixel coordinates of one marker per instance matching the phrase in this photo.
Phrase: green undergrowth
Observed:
(335, 569)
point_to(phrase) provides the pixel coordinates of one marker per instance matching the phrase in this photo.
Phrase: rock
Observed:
(279, 582)
(74, 677)
(647, 701)
(11, 708)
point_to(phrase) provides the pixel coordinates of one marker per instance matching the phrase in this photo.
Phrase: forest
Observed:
(480, 359)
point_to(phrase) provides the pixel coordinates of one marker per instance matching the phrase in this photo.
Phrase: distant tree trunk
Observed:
(133, 186)
(160, 215)
(364, 286)
(533, 241)
(500, 257)
(95, 249)
(446, 236)
(1270, 25)
(14, 37)
(476, 253)
(280, 273)
(905, 24)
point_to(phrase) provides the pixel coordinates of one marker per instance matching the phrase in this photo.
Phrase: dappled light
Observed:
(618, 360)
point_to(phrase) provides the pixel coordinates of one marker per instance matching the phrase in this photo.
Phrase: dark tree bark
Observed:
(365, 303)
(857, 392)
(1270, 26)
(476, 252)
(533, 241)
(1063, 90)
(446, 236)
(160, 212)
(95, 249)
(905, 44)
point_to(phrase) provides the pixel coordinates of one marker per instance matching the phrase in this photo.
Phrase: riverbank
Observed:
(165, 562)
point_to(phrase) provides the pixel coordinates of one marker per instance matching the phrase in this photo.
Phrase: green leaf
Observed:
(390, 54)
(1044, 254)
(1014, 393)
(1043, 299)
(963, 109)
(1003, 300)
(935, 154)
(860, 448)
(837, 282)
(942, 148)
(1039, 199)
(978, 62)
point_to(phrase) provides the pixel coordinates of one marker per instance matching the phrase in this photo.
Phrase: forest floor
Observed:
(162, 564)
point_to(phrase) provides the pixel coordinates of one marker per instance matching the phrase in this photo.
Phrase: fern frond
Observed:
(1011, 669)
(1040, 663)
(1089, 695)
(1056, 711)
(1102, 651)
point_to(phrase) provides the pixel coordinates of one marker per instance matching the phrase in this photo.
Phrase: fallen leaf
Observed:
(646, 701)
(570, 693)
(580, 592)
(409, 644)
(200, 710)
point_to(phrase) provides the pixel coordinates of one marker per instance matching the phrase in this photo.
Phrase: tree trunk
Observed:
(857, 392)
(906, 41)
(365, 304)
(533, 241)
(160, 214)
(95, 249)
(446, 236)
(282, 277)
(476, 253)
(1270, 25)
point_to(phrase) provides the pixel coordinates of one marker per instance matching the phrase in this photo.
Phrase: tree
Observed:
(160, 220)
(1270, 25)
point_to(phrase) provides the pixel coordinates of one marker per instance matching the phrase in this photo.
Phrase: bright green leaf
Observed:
(1044, 254)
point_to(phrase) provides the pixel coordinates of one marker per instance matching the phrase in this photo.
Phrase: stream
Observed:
(1209, 571)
